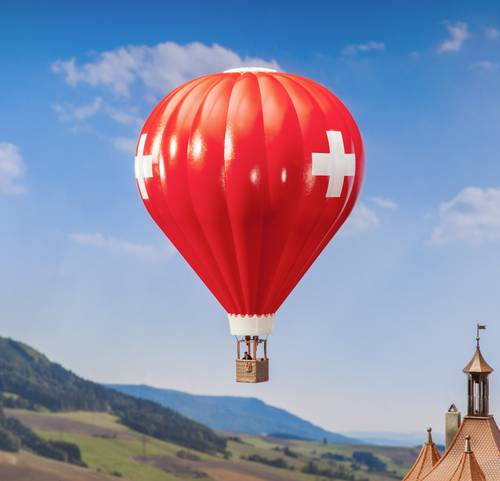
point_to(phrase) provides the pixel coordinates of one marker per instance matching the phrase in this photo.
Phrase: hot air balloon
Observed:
(250, 173)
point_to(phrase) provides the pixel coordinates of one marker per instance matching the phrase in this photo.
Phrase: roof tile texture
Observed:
(426, 460)
(485, 441)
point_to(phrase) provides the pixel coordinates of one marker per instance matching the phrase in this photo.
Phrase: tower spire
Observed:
(478, 371)
(427, 459)
(468, 468)
(429, 436)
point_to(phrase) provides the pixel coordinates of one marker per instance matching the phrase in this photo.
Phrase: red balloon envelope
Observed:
(250, 173)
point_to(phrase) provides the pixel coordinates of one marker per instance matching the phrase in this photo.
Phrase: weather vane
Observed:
(479, 328)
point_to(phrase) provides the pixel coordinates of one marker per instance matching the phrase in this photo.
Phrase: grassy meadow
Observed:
(113, 451)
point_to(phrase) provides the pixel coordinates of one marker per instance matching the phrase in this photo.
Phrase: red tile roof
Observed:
(427, 459)
(485, 438)
(468, 468)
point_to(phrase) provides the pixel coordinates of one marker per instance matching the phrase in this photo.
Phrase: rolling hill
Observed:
(29, 380)
(113, 451)
(235, 414)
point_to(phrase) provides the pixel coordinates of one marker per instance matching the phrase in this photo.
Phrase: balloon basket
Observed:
(252, 371)
(250, 367)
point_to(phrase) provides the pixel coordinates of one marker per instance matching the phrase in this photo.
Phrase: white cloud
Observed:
(472, 216)
(144, 251)
(124, 144)
(483, 66)
(353, 49)
(492, 33)
(362, 219)
(458, 34)
(125, 117)
(12, 169)
(160, 67)
(384, 203)
(68, 112)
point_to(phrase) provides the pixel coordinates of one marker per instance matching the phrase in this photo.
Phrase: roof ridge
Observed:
(495, 431)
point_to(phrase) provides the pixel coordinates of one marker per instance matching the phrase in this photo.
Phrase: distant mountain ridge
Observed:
(409, 439)
(234, 414)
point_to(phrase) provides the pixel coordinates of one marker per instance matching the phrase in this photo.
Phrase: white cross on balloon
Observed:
(335, 164)
(143, 167)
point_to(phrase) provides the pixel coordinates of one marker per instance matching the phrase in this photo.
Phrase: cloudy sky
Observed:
(376, 334)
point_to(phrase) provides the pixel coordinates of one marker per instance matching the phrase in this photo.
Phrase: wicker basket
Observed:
(252, 371)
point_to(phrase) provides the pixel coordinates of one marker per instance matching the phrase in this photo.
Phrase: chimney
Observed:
(453, 418)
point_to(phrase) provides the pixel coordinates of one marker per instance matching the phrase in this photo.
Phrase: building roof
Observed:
(427, 459)
(485, 438)
(478, 365)
(468, 468)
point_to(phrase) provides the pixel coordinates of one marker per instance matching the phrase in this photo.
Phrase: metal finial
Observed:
(467, 445)
(429, 435)
(478, 328)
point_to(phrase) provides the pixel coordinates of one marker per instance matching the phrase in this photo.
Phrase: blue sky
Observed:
(376, 334)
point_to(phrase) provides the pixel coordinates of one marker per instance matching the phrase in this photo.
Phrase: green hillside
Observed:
(110, 448)
(29, 380)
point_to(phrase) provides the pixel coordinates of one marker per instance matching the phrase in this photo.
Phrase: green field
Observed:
(110, 448)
